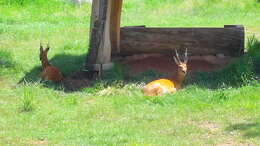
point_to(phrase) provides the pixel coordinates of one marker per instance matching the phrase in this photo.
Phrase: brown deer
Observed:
(49, 72)
(171, 85)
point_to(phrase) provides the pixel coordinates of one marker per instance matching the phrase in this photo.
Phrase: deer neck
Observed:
(45, 62)
(178, 79)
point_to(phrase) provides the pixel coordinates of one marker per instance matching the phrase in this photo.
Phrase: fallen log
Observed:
(199, 41)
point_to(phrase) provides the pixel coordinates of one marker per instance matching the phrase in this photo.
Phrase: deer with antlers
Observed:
(162, 86)
(49, 72)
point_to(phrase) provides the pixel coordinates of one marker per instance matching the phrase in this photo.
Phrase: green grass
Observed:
(27, 101)
(213, 108)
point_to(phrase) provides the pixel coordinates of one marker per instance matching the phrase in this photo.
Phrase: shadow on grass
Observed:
(237, 74)
(70, 66)
(249, 130)
(66, 63)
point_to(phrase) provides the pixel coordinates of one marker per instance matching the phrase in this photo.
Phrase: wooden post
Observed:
(104, 27)
(115, 25)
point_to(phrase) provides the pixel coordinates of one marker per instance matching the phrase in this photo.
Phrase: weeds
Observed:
(240, 72)
(253, 46)
(27, 101)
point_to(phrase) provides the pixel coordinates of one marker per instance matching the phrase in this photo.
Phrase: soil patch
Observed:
(166, 64)
(209, 126)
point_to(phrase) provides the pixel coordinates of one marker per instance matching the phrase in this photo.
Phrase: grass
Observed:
(214, 108)
(240, 72)
(27, 101)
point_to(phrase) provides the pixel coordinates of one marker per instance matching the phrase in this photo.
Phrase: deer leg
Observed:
(159, 91)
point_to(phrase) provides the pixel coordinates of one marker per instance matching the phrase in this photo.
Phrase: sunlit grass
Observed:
(113, 111)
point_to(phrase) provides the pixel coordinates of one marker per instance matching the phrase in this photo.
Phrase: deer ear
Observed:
(47, 48)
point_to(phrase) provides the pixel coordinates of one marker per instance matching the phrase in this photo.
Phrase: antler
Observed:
(177, 58)
(186, 56)
(177, 55)
(176, 61)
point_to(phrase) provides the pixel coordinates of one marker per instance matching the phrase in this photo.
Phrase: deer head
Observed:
(182, 65)
(43, 52)
(43, 55)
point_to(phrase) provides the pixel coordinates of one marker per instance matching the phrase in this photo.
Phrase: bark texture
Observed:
(199, 41)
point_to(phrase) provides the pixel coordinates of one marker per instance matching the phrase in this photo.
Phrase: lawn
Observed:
(216, 108)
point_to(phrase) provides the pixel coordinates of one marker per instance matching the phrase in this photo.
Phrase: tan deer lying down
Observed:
(171, 85)
(49, 72)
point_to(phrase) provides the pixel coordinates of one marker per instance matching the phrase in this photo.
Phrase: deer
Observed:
(171, 85)
(49, 72)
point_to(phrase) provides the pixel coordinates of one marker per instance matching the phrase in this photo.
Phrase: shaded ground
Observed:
(248, 130)
(166, 64)
(76, 79)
